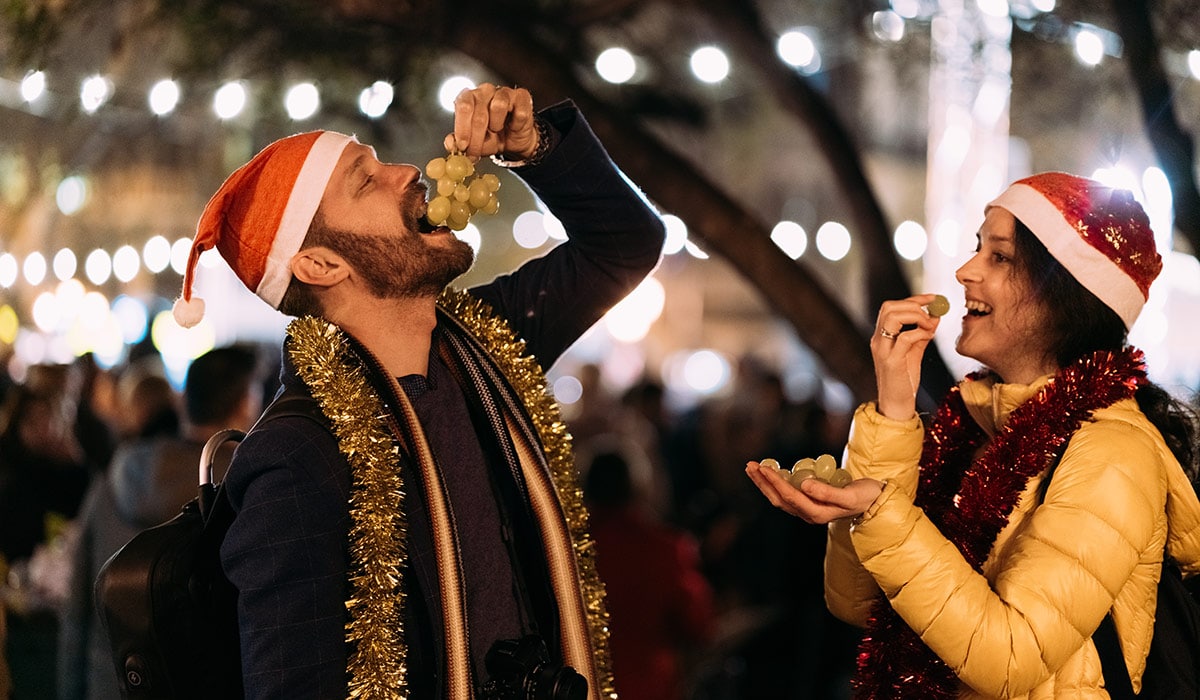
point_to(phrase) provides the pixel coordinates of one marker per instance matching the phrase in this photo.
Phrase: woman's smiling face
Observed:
(1004, 327)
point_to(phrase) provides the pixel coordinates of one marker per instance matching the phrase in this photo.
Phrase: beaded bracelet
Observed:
(545, 143)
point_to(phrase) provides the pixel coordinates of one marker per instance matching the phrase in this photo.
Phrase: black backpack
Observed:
(168, 611)
(1173, 661)
(1173, 664)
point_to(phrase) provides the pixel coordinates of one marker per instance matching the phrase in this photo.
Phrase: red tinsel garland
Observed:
(970, 502)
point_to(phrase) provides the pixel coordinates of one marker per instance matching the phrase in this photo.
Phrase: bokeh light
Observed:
(791, 238)
(677, 234)
(71, 194)
(94, 91)
(375, 100)
(302, 101)
(33, 85)
(98, 266)
(164, 97)
(156, 254)
(229, 100)
(64, 264)
(616, 65)
(910, 240)
(630, 320)
(710, 64)
(833, 240)
(450, 88)
(797, 49)
(34, 268)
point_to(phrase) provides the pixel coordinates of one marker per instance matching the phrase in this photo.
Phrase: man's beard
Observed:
(397, 267)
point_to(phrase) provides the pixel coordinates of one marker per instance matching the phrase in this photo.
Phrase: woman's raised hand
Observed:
(902, 331)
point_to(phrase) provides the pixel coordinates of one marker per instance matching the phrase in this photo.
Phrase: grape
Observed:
(940, 306)
(461, 193)
(436, 169)
(446, 187)
(770, 463)
(492, 206)
(458, 167)
(824, 466)
(491, 181)
(799, 475)
(804, 463)
(478, 194)
(439, 209)
(840, 478)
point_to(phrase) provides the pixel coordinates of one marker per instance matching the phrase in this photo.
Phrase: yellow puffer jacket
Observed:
(1022, 628)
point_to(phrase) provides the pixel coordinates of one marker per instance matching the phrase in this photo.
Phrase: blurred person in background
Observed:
(148, 482)
(43, 476)
(146, 403)
(661, 604)
(94, 413)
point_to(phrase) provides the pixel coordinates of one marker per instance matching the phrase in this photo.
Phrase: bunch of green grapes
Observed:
(457, 200)
(823, 468)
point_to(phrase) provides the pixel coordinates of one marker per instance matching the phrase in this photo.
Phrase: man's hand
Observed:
(494, 121)
(814, 502)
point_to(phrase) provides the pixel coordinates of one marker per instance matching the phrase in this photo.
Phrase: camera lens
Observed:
(522, 670)
(555, 683)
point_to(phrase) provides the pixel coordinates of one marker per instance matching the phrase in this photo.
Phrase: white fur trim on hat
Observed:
(1089, 266)
(302, 206)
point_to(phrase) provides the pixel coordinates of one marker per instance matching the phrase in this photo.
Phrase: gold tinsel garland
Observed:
(320, 352)
(376, 665)
(529, 381)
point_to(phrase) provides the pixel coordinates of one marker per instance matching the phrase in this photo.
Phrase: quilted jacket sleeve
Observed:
(883, 449)
(1052, 581)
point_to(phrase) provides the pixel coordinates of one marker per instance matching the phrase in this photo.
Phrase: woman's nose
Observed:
(966, 272)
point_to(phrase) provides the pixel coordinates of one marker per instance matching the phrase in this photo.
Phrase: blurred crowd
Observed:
(760, 628)
(714, 595)
(89, 457)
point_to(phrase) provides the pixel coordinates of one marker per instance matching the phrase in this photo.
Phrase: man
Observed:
(427, 512)
(147, 483)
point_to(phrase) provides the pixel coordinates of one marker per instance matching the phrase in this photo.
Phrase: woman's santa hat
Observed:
(257, 220)
(1099, 234)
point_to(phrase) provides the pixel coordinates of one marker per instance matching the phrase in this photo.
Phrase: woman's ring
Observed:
(887, 334)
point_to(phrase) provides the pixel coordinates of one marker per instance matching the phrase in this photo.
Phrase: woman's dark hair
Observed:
(1080, 324)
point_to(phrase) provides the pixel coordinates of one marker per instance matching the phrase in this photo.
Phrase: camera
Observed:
(520, 669)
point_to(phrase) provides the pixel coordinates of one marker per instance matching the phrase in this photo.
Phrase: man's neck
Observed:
(397, 331)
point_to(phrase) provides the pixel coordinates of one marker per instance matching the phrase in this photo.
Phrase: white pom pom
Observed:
(188, 313)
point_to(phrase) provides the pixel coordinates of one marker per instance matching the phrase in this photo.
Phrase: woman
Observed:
(974, 572)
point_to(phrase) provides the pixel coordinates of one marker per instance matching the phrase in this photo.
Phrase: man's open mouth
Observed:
(424, 226)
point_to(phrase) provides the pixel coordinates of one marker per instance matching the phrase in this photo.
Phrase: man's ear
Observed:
(319, 266)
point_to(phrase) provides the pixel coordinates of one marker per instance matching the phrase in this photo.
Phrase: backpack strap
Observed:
(292, 401)
(1108, 646)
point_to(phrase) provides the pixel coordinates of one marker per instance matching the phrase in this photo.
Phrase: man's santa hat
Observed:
(1101, 235)
(258, 218)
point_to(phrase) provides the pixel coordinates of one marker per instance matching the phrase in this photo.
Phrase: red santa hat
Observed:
(1101, 235)
(260, 215)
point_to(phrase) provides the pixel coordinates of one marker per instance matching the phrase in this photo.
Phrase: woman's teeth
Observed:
(978, 308)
